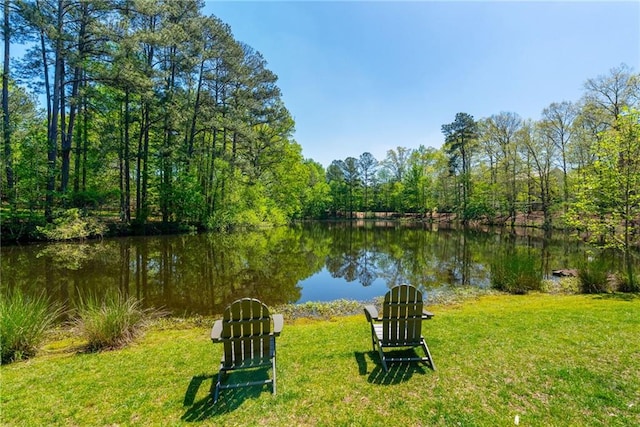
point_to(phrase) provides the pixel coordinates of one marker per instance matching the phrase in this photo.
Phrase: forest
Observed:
(156, 114)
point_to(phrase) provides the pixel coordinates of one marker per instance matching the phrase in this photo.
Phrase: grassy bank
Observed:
(550, 360)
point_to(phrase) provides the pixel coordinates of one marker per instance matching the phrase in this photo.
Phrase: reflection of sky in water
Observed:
(204, 273)
(322, 287)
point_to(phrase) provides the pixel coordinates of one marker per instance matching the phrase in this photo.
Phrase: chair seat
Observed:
(394, 343)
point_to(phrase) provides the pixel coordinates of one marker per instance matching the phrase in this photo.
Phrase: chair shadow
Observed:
(228, 400)
(397, 373)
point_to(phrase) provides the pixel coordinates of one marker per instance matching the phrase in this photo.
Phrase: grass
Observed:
(24, 322)
(553, 360)
(112, 321)
(516, 272)
(594, 277)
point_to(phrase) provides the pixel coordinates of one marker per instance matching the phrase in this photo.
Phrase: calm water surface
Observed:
(202, 274)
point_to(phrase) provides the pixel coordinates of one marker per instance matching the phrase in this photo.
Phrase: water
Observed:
(202, 274)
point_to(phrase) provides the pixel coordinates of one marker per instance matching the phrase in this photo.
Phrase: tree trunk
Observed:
(52, 133)
(67, 140)
(6, 124)
(138, 179)
(80, 137)
(196, 110)
(126, 205)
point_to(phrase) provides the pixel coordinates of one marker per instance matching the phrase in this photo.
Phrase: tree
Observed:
(557, 126)
(337, 183)
(396, 162)
(368, 167)
(316, 196)
(6, 128)
(502, 129)
(489, 150)
(613, 92)
(607, 203)
(460, 140)
(351, 174)
(541, 149)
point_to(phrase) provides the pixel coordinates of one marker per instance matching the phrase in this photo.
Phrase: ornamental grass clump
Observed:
(516, 272)
(24, 322)
(594, 277)
(112, 321)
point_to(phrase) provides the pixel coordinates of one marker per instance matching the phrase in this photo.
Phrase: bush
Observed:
(594, 277)
(111, 322)
(72, 225)
(628, 284)
(20, 224)
(24, 322)
(516, 273)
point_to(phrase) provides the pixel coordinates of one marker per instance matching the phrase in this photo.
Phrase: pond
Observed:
(203, 273)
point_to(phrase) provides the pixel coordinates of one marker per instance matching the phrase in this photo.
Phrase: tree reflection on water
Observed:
(202, 274)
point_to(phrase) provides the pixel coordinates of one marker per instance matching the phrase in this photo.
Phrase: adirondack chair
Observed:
(248, 339)
(400, 324)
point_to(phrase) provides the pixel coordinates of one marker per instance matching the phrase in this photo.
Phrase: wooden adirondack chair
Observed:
(248, 339)
(400, 324)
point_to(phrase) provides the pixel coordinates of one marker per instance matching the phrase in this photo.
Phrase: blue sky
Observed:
(362, 76)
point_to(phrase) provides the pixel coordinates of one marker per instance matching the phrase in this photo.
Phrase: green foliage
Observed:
(24, 321)
(19, 225)
(479, 207)
(594, 277)
(188, 199)
(607, 201)
(625, 284)
(92, 198)
(112, 321)
(71, 224)
(516, 272)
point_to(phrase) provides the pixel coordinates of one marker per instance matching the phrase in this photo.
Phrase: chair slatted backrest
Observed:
(402, 315)
(246, 332)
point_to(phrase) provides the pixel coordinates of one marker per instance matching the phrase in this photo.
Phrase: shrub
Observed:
(594, 277)
(72, 225)
(24, 322)
(18, 225)
(628, 283)
(111, 322)
(516, 273)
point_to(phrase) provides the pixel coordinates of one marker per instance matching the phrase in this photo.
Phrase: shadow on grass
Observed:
(229, 399)
(620, 296)
(397, 373)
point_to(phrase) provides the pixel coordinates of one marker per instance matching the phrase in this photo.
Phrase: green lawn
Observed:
(552, 360)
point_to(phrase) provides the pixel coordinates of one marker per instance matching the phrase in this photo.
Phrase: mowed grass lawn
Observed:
(547, 360)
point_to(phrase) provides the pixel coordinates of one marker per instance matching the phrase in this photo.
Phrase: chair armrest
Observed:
(371, 312)
(216, 331)
(278, 323)
(427, 314)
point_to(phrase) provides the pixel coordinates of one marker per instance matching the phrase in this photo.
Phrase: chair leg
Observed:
(273, 368)
(216, 393)
(382, 359)
(428, 353)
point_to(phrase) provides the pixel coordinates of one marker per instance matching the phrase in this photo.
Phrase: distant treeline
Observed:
(154, 113)
(577, 166)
